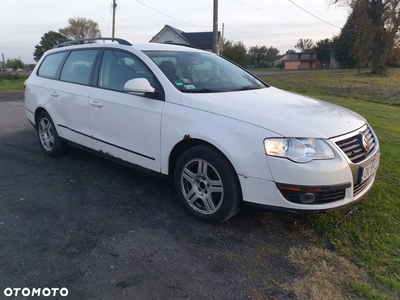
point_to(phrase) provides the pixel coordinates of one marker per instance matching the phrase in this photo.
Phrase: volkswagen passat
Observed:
(223, 136)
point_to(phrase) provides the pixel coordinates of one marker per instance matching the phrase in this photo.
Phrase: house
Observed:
(302, 61)
(201, 40)
(279, 60)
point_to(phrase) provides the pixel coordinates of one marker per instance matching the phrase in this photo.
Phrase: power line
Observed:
(168, 15)
(313, 15)
(277, 16)
(258, 37)
(149, 7)
(246, 33)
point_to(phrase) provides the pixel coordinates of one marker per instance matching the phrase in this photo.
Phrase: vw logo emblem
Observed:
(365, 143)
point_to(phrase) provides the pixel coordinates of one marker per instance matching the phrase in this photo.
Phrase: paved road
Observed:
(104, 231)
(12, 114)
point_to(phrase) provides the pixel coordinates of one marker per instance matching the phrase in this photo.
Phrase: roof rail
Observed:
(179, 44)
(82, 41)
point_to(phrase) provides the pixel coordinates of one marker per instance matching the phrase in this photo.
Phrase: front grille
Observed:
(322, 197)
(358, 188)
(354, 147)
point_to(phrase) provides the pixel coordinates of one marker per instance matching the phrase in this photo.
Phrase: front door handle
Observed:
(54, 94)
(96, 103)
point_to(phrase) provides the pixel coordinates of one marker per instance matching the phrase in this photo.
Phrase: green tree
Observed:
(342, 47)
(262, 57)
(258, 56)
(47, 42)
(236, 51)
(384, 20)
(323, 50)
(271, 55)
(354, 44)
(362, 32)
(80, 28)
(305, 45)
(14, 63)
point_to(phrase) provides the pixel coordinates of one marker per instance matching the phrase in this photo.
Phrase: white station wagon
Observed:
(223, 136)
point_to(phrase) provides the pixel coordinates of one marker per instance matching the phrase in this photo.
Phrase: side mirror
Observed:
(138, 86)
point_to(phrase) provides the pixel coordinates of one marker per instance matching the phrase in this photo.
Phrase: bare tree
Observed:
(80, 28)
(304, 45)
(384, 21)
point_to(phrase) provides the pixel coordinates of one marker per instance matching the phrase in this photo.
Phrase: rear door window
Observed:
(78, 66)
(51, 64)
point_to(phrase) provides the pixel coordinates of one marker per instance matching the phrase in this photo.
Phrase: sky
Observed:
(277, 23)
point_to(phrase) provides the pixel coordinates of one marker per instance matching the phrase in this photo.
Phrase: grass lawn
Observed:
(12, 82)
(267, 70)
(370, 235)
(342, 83)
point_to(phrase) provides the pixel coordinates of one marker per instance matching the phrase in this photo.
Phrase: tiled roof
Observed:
(201, 40)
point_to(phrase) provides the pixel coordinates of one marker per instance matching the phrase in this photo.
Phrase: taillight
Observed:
(26, 80)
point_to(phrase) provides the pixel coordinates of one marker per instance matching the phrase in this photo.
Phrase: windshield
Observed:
(201, 72)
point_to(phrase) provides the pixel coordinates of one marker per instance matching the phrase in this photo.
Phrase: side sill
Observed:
(33, 125)
(115, 159)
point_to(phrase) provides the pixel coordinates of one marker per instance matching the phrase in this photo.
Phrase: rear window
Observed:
(50, 65)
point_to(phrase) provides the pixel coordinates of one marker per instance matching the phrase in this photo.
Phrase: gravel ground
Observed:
(104, 231)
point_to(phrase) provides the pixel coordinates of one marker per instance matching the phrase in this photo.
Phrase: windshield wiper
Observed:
(203, 90)
(249, 87)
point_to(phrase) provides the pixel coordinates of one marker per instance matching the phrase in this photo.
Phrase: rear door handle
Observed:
(96, 103)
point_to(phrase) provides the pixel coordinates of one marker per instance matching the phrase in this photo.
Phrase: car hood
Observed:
(288, 114)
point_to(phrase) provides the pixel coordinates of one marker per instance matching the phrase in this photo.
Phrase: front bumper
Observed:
(265, 194)
(336, 183)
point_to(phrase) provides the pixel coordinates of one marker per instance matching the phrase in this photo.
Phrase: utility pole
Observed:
(222, 39)
(215, 28)
(4, 62)
(113, 21)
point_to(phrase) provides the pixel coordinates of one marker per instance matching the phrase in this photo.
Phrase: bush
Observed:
(6, 76)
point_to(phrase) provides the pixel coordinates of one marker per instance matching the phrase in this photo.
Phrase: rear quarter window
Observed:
(50, 65)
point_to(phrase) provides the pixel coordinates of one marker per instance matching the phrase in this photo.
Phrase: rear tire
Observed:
(48, 137)
(207, 184)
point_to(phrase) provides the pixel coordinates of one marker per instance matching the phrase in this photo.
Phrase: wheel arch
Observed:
(184, 145)
(38, 111)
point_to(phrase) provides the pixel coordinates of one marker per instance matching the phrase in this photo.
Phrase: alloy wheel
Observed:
(46, 134)
(202, 186)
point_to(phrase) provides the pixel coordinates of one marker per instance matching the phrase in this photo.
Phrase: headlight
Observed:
(298, 149)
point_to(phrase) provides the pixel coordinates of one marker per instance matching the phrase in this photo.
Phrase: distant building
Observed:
(201, 40)
(279, 60)
(302, 61)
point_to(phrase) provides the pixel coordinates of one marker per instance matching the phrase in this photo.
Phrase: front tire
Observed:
(49, 140)
(207, 184)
